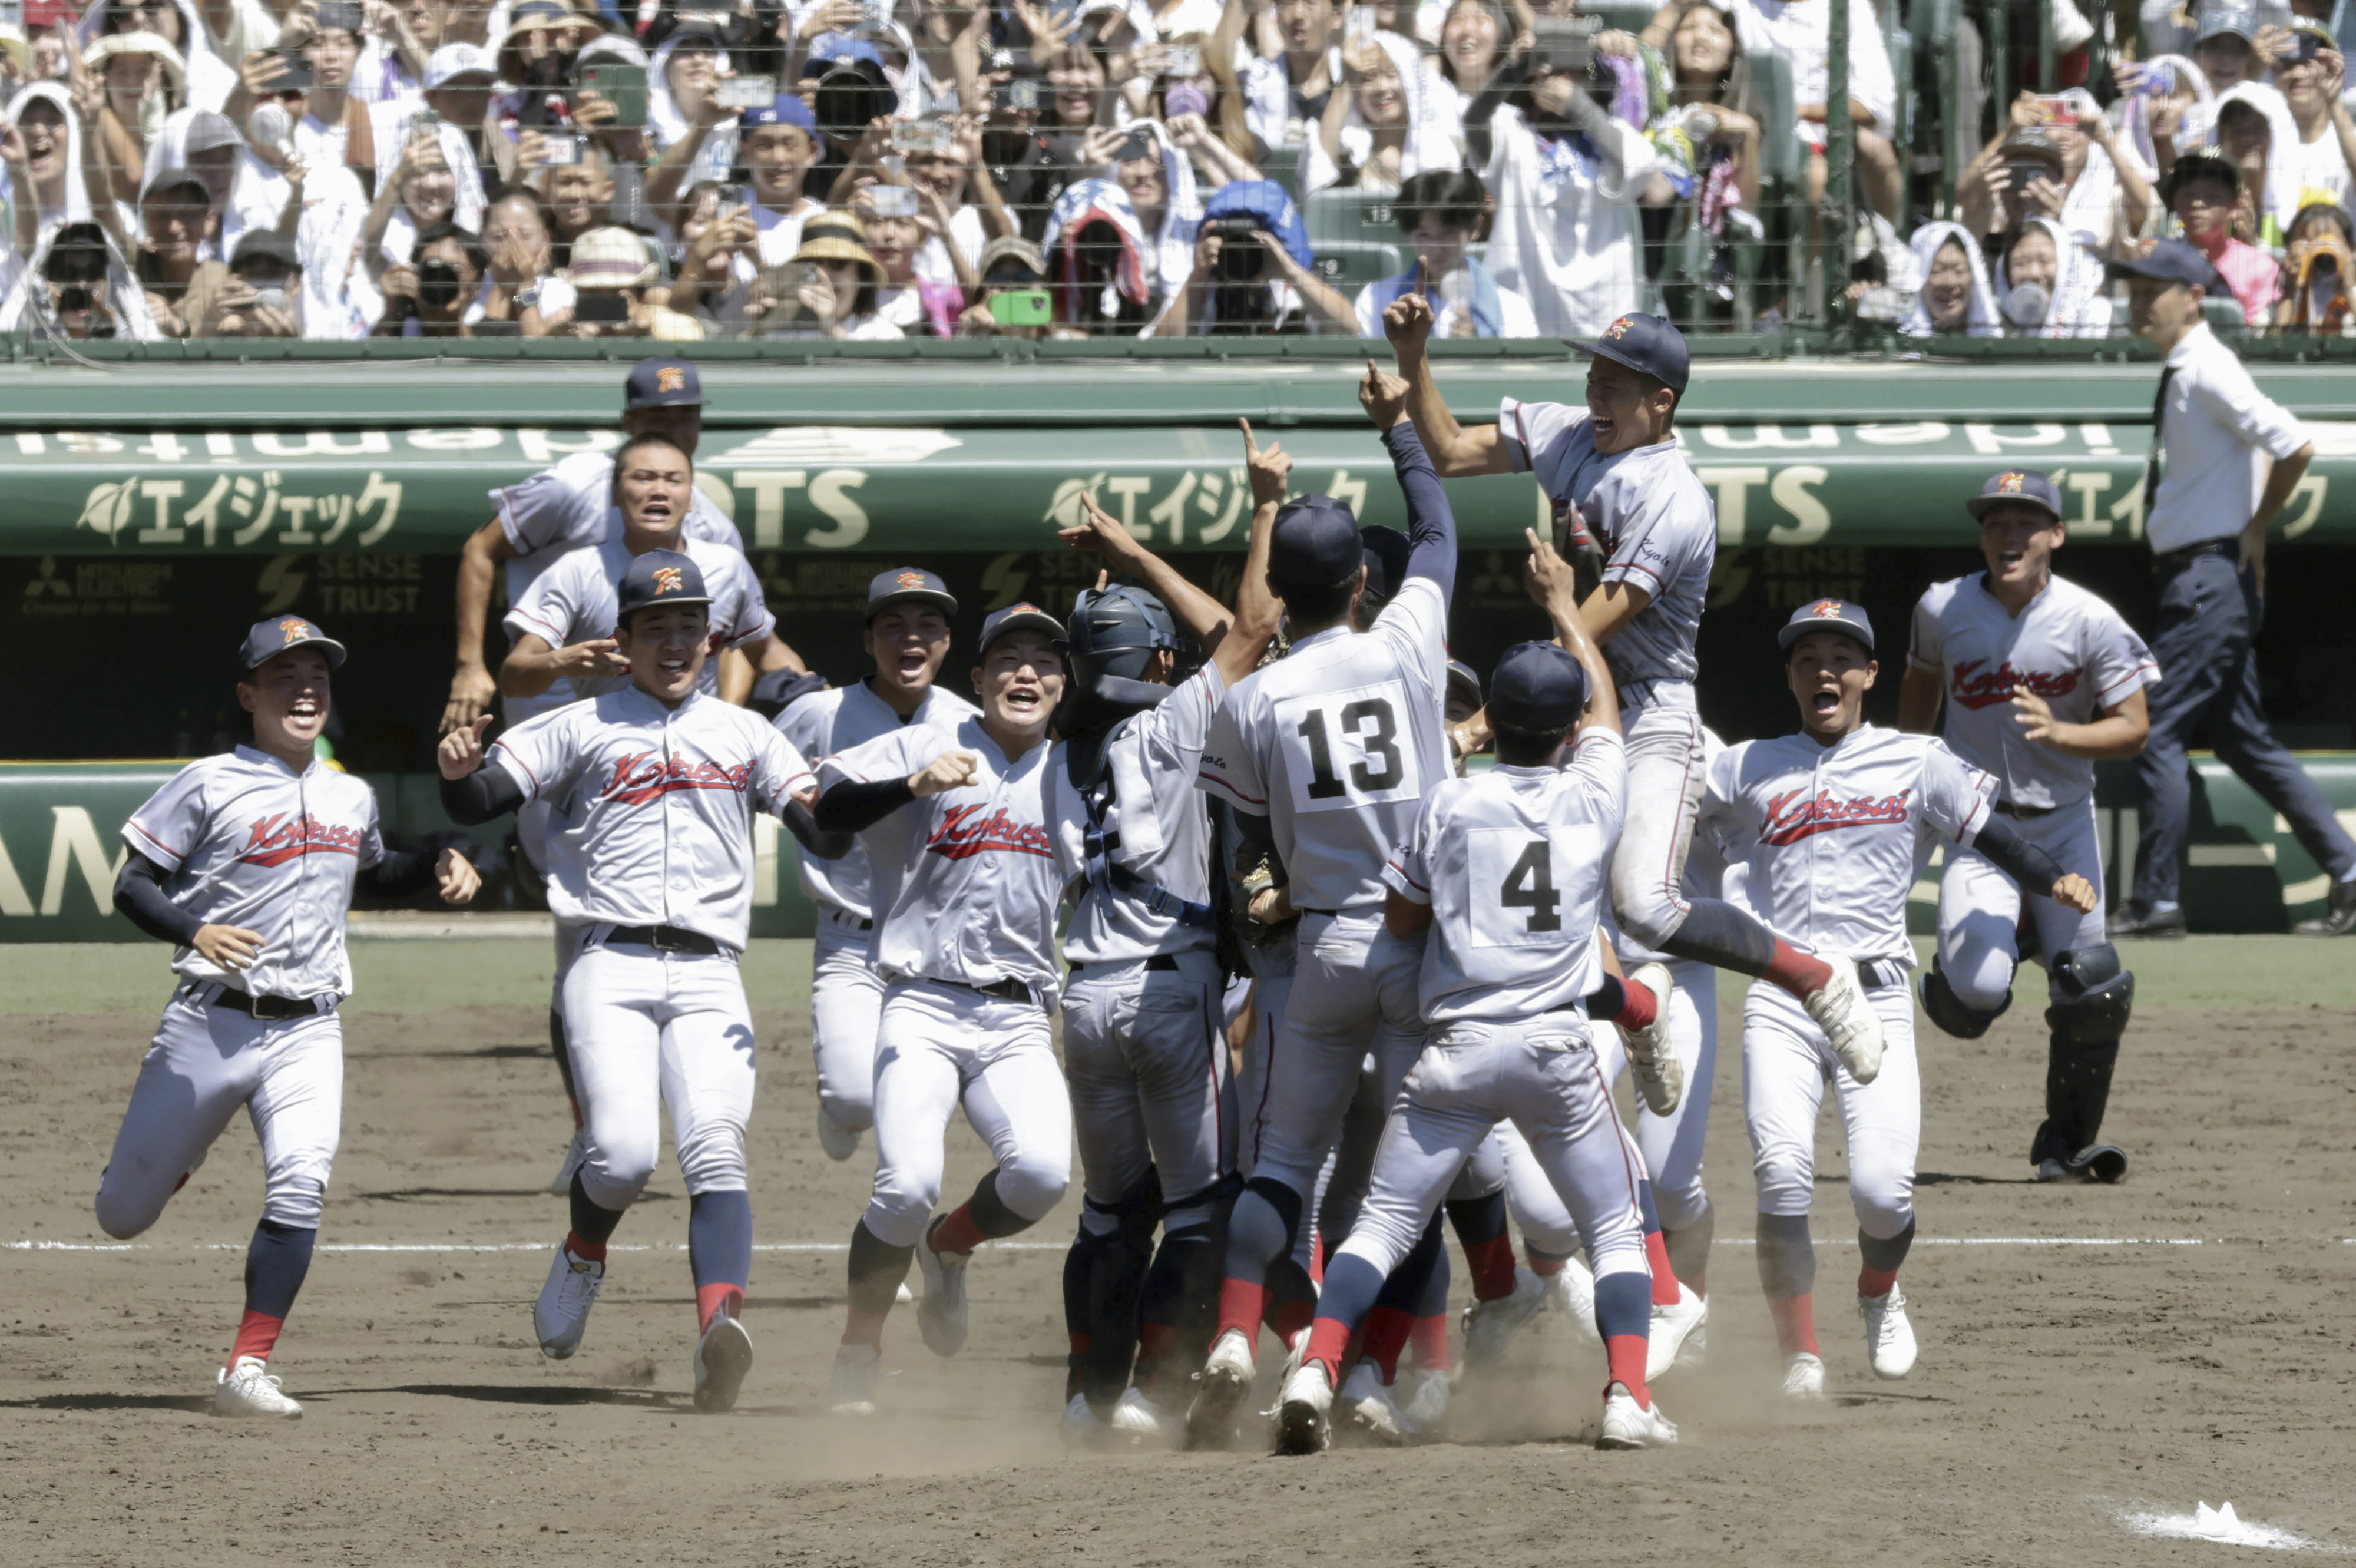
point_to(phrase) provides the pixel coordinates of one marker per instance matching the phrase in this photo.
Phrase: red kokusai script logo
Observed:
(645, 777)
(275, 841)
(1791, 818)
(965, 832)
(1986, 689)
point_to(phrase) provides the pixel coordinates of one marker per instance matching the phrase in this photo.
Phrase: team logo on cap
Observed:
(1620, 328)
(668, 580)
(910, 579)
(671, 378)
(295, 628)
(1027, 607)
(1826, 610)
(2010, 484)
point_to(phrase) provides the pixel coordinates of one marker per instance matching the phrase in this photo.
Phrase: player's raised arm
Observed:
(1550, 581)
(472, 687)
(1456, 453)
(471, 793)
(1430, 522)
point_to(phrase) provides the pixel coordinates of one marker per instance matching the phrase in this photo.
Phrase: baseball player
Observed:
(1143, 1041)
(1508, 873)
(908, 613)
(957, 826)
(1823, 826)
(246, 863)
(2041, 680)
(1613, 472)
(652, 788)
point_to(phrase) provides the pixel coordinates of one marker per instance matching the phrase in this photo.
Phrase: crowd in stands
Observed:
(880, 169)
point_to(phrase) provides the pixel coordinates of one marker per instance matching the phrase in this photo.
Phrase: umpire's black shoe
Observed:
(2339, 917)
(2099, 1162)
(2133, 920)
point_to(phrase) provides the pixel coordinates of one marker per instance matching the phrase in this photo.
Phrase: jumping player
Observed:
(246, 863)
(908, 613)
(1143, 1036)
(966, 886)
(2041, 680)
(1824, 825)
(653, 788)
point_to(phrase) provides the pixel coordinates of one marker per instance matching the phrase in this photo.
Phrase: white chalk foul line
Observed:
(40, 1246)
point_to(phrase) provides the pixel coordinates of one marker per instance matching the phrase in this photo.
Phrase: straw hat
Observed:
(610, 258)
(139, 43)
(834, 237)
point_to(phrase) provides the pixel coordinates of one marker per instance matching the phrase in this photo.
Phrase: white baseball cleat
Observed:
(1889, 1338)
(1221, 1388)
(857, 1370)
(1804, 1376)
(248, 1388)
(1302, 1411)
(941, 1314)
(1138, 1422)
(903, 1296)
(723, 1356)
(1426, 1405)
(1083, 1431)
(1694, 1352)
(1571, 1293)
(1490, 1326)
(1627, 1424)
(1374, 1416)
(1660, 1077)
(839, 1142)
(1670, 1327)
(561, 1313)
(1850, 1024)
(575, 1153)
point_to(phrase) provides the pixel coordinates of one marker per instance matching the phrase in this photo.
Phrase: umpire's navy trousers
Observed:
(2208, 616)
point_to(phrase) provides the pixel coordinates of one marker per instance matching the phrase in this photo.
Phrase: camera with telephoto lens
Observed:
(437, 285)
(1242, 258)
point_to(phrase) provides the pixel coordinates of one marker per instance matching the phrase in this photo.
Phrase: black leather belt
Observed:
(261, 1009)
(863, 924)
(664, 939)
(2006, 808)
(2167, 563)
(1304, 910)
(1163, 960)
(1883, 971)
(1008, 990)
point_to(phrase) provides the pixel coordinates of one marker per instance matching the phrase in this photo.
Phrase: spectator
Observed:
(1801, 30)
(1159, 181)
(2223, 47)
(1380, 132)
(433, 295)
(2252, 122)
(610, 273)
(208, 79)
(2077, 171)
(202, 145)
(683, 80)
(78, 296)
(2166, 100)
(234, 29)
(1012, 267)
(178, 220)
(2049, 285)
(2320, 262)
(943, 179)
(518, 290)
(1952, 294)
(835, 289)
(43, 150)
(457, 22)
(853, 103)
(1252, 271)
(421, 194)
(2312, 74)
(141, 76)
(900, 221)
(1439, 213)
(1567, 178)
(717, 280)
(1473, 37)
(1288, 92)
(265, 297)
(579, 191)
(1096, 268)
(535, 58)
(2203, 190)
(457, 102)
(1708, 132)
(780, 143)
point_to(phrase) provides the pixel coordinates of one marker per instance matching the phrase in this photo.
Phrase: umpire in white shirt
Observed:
(2210, 498)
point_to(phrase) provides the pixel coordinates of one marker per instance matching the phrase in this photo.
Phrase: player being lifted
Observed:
(1824, 824)
(2041, 680)
(652, 788)
(246, 863)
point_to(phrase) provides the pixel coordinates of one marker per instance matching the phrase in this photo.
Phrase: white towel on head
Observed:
(1980, 318)
(77, 199)
(1431, 144)
(718, 154)
(2279, 200)
(2080, 307)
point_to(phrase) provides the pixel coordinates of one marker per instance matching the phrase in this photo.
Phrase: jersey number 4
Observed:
(1530, 885)
(1527, 883)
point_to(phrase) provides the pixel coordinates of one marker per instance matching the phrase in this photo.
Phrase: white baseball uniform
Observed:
(1336, 744)
(1512, 867)
(578, 600)
(846, 993)
(2076, 651)
(246, 840)
(1827, 838)
(653, 818)
(966, 888)
(1144, 1045)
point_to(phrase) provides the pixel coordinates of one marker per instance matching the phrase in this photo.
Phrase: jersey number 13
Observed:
(1348, 748)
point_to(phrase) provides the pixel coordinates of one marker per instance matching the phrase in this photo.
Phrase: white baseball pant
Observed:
(1666, 777)
(205, 1063)
(1979, 907)
(1786, 1062)
(651, 1029)
(1147, 1060)
(846, 1001)
(939, 1047)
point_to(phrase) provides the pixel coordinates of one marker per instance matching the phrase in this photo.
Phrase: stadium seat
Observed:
(1351, 265)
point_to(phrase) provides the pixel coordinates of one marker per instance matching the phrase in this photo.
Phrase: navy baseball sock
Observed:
(275, 1263)
(876, 1269)
(984, 1217)
(1688, 1248)
(1179, 1303)
(1787, 1277)
(1259, 1232)
(1719, 934)
(1878, 1271)
(720, 1251)
(1429, 1338)
(1392, 1318)
(592, 1226)
(1479, 1227)
(1623, 1316)
(1351, 1286)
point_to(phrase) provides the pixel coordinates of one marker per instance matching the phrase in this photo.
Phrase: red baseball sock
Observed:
(257, 1335)
(1638, 1007)
(1626, 1355)
(1545, 1266)
(957, 1232)
(1875, 1282)
(1491, 1264)
(712, 1300)
(1796, 971)
(863, 1328)
(1387, 1328)
(1665, 1278)
(1795, 1323)
(1329, 1341)
(1430, 1341)
(589, 1251)
(1291, 1318)
(1241, 1303)
(1080, 1343)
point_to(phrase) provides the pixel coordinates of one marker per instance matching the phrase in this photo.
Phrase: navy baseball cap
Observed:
(1385, 552)
(2171, 261)
(1650, 345)
(1464, 680)
(1821, 614)
(1539, 687)
(785, 109)
(1315, 544)
(908, 584)
(2016, 487)
(1019, 616)
(663, 382)
(2239, 20)
(268, 639)
(659, 579)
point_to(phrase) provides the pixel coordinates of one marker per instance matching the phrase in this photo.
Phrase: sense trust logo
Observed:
(274, 840)
(1974, 686)
(965, 832)
(641, 777)
(1795, 816)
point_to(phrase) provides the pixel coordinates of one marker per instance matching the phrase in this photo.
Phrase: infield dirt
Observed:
(2206, 1355)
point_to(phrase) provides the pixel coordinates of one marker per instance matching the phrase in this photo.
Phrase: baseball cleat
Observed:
(1850, 1024)
(2101, 1161)
(1374, 1416)
(1660, 1077)
(561, 1313)
(1670, 1327)
(248, 1388)
(857, 1370)
(1426, 1405)
(1804, 1376)
(1302, 1413)
(1083, 1431)
(941, 1314)
(1571, 1293)
(575, 1153)
(1138, 1422)
(723, 1356)
(1694, 1353)
(2051, 1169)
(1221, 1389)
(1889, 1338)
(903, 1296)
(1627, 1424)
(839, 1142)
(1490, 1326)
